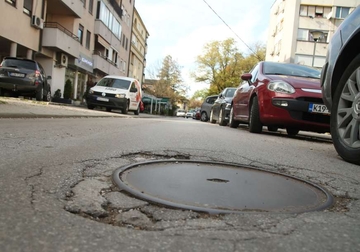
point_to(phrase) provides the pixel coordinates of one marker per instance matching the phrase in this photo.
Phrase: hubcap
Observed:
(348, 111)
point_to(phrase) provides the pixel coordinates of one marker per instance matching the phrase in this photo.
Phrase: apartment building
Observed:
(300, 30)
(76, 40)
(138, 52)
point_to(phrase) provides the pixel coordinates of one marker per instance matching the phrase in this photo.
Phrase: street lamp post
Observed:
(316, 36)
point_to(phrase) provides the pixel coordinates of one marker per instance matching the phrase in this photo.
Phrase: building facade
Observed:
(300, 30)
(138, 48)
(76, 40)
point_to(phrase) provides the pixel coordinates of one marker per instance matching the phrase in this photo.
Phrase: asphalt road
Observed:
(57, 193)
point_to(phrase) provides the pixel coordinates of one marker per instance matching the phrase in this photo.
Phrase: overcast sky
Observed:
(181, 28)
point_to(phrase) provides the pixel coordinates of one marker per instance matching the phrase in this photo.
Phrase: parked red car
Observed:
(280, 95)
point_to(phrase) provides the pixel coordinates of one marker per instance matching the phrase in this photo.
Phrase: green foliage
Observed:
(201, 94)
(68, 89)
(222, 64)
(170, 83)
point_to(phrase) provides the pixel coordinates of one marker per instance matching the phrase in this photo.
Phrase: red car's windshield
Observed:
(274, 68)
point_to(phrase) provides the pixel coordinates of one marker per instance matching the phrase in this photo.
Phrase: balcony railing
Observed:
(104, 57)
(61, 28)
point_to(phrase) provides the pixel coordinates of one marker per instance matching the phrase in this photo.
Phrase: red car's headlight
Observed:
(281, 87)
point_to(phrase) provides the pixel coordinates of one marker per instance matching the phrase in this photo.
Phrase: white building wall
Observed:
(284, 44)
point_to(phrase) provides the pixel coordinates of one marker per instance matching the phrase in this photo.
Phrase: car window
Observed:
(41, 68)
(17, 63)
(254, 73)
(230, 92)
(274, 68)
(115, 83)
(212, 100)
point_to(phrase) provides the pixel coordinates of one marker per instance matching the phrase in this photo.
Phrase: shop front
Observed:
(80, 73)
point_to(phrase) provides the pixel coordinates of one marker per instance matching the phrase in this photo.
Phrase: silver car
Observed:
(340, 80)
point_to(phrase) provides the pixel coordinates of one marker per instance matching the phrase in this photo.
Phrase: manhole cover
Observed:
(215, 187)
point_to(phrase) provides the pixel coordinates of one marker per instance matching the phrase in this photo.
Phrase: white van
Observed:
(116, 92)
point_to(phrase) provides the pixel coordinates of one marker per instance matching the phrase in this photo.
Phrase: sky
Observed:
(181, 28)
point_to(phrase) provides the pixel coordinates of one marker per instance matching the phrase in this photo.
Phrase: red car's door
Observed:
(244, 94)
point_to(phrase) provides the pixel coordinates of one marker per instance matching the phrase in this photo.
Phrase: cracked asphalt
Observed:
(57, 193)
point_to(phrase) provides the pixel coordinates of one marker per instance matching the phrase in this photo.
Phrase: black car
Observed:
(220, 110)
(24, 77)
(340, 80)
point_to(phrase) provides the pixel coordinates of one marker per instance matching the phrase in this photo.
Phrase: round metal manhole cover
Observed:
(215, 187)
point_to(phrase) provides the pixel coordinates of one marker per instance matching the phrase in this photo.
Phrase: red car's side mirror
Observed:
(246, 76)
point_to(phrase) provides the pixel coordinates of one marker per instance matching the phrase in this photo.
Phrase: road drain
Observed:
(216, 187)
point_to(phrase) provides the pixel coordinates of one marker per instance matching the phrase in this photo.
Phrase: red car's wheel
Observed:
(255, 125)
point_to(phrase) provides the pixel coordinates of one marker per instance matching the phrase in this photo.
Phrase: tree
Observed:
(258, 54)
(200, 94)
(194, 103)
(219, 66)
(222, 64)
(169, 82)
(68, 89)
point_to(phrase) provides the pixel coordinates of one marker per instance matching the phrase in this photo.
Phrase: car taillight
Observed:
(37, 73)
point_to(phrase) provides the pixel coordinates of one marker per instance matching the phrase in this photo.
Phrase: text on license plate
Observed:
(102, 99)
(21, 75)
(318, 108)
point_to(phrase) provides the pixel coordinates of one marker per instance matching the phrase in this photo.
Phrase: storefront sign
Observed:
(84, 62)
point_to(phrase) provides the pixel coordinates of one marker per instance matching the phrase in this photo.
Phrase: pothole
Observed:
(215, 187)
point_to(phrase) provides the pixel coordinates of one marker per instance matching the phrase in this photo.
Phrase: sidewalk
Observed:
(21, 108)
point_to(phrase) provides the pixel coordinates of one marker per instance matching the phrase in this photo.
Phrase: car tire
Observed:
(233, 123)
(108, 109)
(204, 117)
(126, 109)
(137, 111)
(211, 117)
(40, 94)
(47, 97)
(255, 125)
(345, 114)
(292, 131)
(89, 106)
(221, 118)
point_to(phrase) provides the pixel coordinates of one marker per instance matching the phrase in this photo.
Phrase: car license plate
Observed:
(20, 75)
(102, 99)
(318, 108)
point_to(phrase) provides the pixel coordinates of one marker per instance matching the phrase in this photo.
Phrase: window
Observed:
(123, 40)
(81, 33)
(12, 2)
(126, 44)
(303, 34)
(314, 11)
(342, 12)
(254, 73)
(88, 36)
(114, 57)
(28, 6)
(91, 4)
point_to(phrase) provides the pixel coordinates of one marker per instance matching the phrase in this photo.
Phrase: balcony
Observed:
(308, 48)
(57, 37)
(105, 65)
(73, 8)
(105, 33)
